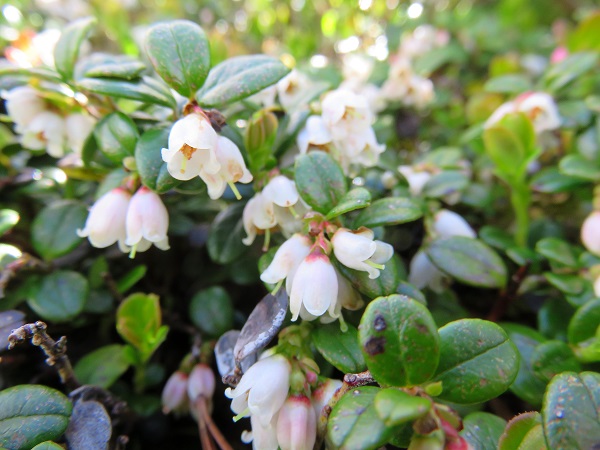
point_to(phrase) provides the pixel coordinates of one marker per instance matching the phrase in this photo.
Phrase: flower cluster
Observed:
(195, 149)
(135, 222)
(538, 106)
(40, 127)
(314, 285)
(182, 389)
(343, 129)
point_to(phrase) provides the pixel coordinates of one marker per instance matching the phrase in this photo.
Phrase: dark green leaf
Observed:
(211, 311)
(54, 230)
(320, 181)
(396, 407)
(550, 180)
(147, 90)
(389, 211)
(571, 411)
(131, 278)
(468, 260)
(238, 78)
(385, 284)
(179, 52)
(103, 366)
(445, 183)
(585, 322)
(579, 167)
(340, 349)
(151, 167)
(67, 48)
(354, 199)
(561, 74)
(113, 66)
(496, 237)
(482, 430)
(8, 219)
(519, 432)
(116, 136)
(569, 284)
(399, 341)
(354, 423)
(31, 414)
(557, 250)
(226, 234)
(478, 361)
(60, 296)
(551, 358)
(553, 318)
(508, 84)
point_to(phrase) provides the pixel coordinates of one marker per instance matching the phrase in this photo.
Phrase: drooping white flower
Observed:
(262, 437)
(422, 273)
(259, 215)
(314, 286)
(46, 130)
(297, 424)
(538, 106)
(147, 221)
(201, 382)
(233, 169)
(286, 260)
(282, 191)
(262, 390)
(345, 112)
(105, 224)
(23, 104)
(590, 233)
(192, 145)
(416, 179)
(174, 395)
(291, 87)
(448, 223)
(78, 127)
(315, 133)
(357, 250)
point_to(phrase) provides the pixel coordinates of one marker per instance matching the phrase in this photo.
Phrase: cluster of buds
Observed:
(277, 205)
(135, 222)
(315, 287)
(539, 107)
(41, 127)
(182, 389)
(343, 129)
(279, 419)
(195, 149)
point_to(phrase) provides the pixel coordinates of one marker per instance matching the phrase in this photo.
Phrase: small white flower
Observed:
(23, 104)
(590, 233)
(314, 286)
(192, 144)
(282, 191)
(416, 179)
(286, 260)
(147, 221)
(345, 112)
(297, 424)
(538, 106)
(358, 250)
(46, 130)
(448, 223)
(174, 395)
(105, 224)
(262, 390)
(78, 127)
(291, 87)
(259, 215)
(201, 382)
(422, 273)
(315, 133)
(262, 437)
(233, 169)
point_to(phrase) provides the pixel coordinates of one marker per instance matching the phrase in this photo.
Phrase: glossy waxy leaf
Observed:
(567, 283)
(211, 311)
(557, 250)
(396, 407)
(67, 48)
(8, 219)
(354, 199)
(571, 411)
(103, 366)
(523, 432)
(399, 341)
(146, 90)
(468, 260)
(551, 358)
(478, 361)
(340, 349)
(238, 78)
(579, 167)
(482, 430)
(389, 211)
(90, 427)
(54, 230)
(385, 284)
(226, 233)
(114, 66)
(585, 322)
(354, 423)
(320, 181)
(31, 414)
(151, 167)
(60, 296)
(550, 180)
(116, 136)
(179, 52)
(445, 183)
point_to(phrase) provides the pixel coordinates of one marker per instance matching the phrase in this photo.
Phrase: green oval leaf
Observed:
(551, 358)
(354, 199)
(151, 167)
(116, 136)
(579, 167)
(445, 183)
(60, 296)
(147, 90)
(31, 414)
(340, 349)
(482, 430)
(389, 211)
(67, 48)
(48, 445)
(180, 54)
(320, 181)
(8, 219)
(468, 260)
(103, 366)
(54, 230)
(396, 407)
(211, 311)
(520, 431)
(571, 411)
(477, 361)
(399, 341)
(238, 78)
(354, 423)
(115, 66)
(585, 322)
(226, 233)
(385, 284)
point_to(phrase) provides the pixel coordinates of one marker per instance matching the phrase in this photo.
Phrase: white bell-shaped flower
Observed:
(174, 395)
(291, 88)
(282, 191)
(192, 144)
(538, 106)
(422, 273)
(590, 233)
(286, 260)
(315, 133)
(201, 382)
(448, 223)
(147, 222)
(23, 104)
(105, 224)
(262, 437)
(259, 215)
(78, 127)
(233, 169)
(314, 286)
(416, 179)
(262, 390)
(297, 424)
(345, 112)
(358, 250)
(46, 130)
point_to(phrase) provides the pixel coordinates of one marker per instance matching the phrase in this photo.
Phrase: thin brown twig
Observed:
(508, 295)
(205, 440)
(202, 408)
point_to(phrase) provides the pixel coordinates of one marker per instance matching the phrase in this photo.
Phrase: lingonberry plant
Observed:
(393, 248)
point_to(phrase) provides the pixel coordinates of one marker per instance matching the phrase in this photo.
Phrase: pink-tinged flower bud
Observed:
(538, 106)
(192, 144)
(201, 382)
(590, 233)
(559, 54)
(174, 394)
(314, 286)
(297, 424)
(458, 443)
(105, 224)
(323, 394)
(287, 259)
(358, 250)
(447, 223)
(147, 221)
